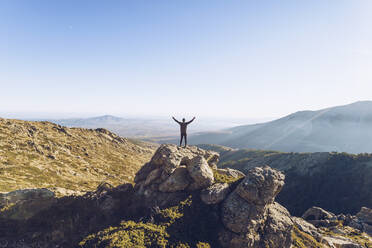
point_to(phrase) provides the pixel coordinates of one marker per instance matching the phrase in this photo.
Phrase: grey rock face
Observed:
(26, 203)
(152, 176)
(215, 193)
(175, 169)
(178, 180)
(240, 216)
(365, 215)
(278, 226)
(250, 217)
(200, 172)
(261, 185)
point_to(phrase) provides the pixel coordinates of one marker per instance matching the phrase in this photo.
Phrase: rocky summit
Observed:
(179, 199)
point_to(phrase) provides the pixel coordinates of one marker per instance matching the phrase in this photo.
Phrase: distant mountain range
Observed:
(146, 128)
(345, 128)
(126, 127)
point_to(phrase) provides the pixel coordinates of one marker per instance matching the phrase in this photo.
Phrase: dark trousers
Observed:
(183, 135)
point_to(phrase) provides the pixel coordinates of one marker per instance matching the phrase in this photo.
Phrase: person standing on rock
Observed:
(183, 128)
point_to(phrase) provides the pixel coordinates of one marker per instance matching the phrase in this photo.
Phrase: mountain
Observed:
(47, 155)
(344, 128)
(126, 127)
(338, 182)
(179, 199)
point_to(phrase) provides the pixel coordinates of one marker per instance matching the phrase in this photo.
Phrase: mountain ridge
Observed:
(346, 128)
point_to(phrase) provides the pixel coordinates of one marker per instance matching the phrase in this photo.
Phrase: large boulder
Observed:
(175, 170)
(200, 172)
(215, 193)
(178, 180)
(250, 216)
(261, 185)
(317, 213)
(240, 216)
(25, 203)
(365, 215)
(278, 227)
(169, 157)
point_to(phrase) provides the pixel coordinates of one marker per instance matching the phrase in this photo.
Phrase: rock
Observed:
(24, 195)
(317, 213)
(250, 217)
(25, 203)
(341, 242)
(278, 227)
(306, 227)
(212, 158)
(168, 157)
(178, 180)
(215, 193)
(367, 228)
(240, 216)
(144, 172)
(152, 176)
(320, 217)
(365, 215)
(200, 172)
(261, 185)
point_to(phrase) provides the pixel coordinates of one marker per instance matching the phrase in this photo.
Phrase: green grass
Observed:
(221, 178)
(303, 240)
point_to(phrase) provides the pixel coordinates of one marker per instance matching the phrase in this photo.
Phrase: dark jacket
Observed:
(183, 125)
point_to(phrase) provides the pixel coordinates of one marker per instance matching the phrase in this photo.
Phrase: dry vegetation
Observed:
(43, 154)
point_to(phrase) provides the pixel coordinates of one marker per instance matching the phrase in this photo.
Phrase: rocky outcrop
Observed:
(336, 230)
(175, 170)
(250, 216)
(182, 199)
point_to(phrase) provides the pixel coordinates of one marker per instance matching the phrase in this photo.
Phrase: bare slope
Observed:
(43, 154)
(344, 129)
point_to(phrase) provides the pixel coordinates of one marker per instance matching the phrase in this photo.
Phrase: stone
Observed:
(25, 203)
(261, 185)
(177, 181)
(367, 228)
(306, 227)
(200, 172)
(278, 227)
(169, 156)
(144, 171)
(24, 195)
(215, 193)
(152, 176)
(341, 242)
(316, 214)
(365, 215)
(231, 173)
(240, 216)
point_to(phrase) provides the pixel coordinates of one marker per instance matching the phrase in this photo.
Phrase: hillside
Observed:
(338, 182)
(43, 154)
(344, 129)
(179, 200)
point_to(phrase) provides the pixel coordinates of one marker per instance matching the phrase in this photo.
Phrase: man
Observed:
(183, 127)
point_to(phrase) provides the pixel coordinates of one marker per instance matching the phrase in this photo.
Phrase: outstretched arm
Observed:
(191, 120)
(176, 120)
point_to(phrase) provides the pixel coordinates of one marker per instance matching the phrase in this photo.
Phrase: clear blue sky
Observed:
(206, 58)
